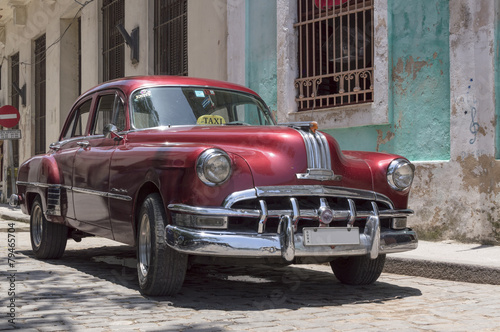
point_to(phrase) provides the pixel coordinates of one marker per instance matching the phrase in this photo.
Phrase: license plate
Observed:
(330, 236)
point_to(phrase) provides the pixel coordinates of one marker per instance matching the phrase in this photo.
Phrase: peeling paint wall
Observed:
(261, 59)
(459, 199)
(443, 107)
(419, 91)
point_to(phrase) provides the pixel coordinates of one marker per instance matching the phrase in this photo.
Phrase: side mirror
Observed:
(111, 131)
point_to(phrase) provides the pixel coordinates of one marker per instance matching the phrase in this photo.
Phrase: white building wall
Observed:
(207, 39)
(208, 52)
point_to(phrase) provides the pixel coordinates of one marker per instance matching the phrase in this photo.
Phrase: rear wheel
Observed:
(161, 269)
(48, 240)
(358, 270)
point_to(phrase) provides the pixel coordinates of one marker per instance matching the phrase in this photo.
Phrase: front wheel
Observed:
(161, 269)
(48, 240)
(358, 270)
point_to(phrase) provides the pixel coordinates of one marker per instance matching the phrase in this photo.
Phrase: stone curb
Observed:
(444, 271)
(13, 217)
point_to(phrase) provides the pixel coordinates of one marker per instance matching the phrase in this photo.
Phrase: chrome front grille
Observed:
(260, 209)
(305, 211)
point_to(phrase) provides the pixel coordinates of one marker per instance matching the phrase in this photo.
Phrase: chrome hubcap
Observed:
(37, 226)
(144, 246)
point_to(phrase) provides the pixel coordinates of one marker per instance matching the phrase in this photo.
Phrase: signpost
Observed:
(9, 117)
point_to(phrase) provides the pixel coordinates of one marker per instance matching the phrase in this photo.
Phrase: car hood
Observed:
(274, 154)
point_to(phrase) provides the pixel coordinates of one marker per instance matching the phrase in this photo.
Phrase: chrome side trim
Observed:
(37, 184)
(90, 192)
(76, 189)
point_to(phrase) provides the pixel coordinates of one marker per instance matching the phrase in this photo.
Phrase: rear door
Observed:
(65, 151)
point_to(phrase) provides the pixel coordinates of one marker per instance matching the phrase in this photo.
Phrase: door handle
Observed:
(83, 144)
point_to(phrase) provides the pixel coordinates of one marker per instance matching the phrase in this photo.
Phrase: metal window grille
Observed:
(170, 33)
(335, 53)
(14, 71)
(40, 96)
(113, 13)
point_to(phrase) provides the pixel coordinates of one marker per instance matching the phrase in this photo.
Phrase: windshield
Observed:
(170, 106)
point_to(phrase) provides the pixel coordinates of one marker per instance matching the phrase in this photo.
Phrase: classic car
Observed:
(193, 171)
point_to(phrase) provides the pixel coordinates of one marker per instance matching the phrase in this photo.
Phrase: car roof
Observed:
(129, 84)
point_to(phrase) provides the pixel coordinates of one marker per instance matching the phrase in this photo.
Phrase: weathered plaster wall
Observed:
(497, 78)
(50, 19)
(419, 86)
(459, 199)
(444, 92)
(207, 39)
(261, 60)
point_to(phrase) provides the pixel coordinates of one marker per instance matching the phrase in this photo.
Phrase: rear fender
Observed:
(35, 176)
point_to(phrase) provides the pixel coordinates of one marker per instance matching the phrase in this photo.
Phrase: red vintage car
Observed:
(193, 171)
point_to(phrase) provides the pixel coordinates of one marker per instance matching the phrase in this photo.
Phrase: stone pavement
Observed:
(94, 288)
(447, 260)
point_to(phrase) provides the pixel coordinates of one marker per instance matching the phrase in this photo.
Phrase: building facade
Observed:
(415, 78)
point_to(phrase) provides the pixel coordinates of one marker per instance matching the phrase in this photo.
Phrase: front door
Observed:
(91, 172)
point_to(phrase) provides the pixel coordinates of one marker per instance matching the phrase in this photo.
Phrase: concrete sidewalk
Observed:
(447, 260)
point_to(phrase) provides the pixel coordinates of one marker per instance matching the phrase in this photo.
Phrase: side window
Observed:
(119, 113)
(104, 114)
(79, 121)
(110, 109)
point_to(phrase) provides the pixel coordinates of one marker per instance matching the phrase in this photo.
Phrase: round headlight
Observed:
(400, 174)
(213, 167)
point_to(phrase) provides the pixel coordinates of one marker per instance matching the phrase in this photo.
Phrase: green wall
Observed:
(260, 54)
(419, 87)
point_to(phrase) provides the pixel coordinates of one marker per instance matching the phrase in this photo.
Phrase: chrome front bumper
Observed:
(287, 243)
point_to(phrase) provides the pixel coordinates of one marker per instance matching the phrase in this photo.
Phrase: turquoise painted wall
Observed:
(419, 87)
(260, 54)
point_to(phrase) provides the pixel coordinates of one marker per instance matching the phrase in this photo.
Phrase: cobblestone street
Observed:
(94, 288)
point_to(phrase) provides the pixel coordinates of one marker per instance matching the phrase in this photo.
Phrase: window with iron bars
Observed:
(170, 33)
(40, 96)
(335, 55)
(113, 50)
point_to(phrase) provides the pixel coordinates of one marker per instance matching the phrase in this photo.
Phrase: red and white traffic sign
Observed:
(9, 116)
